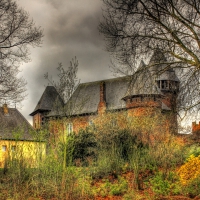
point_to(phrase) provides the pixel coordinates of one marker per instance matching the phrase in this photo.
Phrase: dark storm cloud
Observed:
(70, 29)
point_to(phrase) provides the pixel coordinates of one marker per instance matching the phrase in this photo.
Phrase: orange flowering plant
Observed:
(190, 170)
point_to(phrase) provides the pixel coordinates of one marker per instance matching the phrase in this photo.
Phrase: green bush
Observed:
(124, 140)
(117, 188)
(163, 184)
(193, 188)
(192, 150)
(82, 146)
(108, 162)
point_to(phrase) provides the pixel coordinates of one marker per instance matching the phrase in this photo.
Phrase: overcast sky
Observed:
(70, 29)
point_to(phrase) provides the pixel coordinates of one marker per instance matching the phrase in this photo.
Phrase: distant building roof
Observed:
(14, 126)
(46, 102)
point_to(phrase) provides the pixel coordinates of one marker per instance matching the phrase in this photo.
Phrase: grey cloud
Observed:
(71, 29)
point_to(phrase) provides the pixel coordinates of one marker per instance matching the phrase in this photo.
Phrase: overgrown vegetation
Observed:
(118, 163)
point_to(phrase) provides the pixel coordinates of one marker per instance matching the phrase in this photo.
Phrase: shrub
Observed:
(165, 185)
(190, 170)
(192, 188)
(114, 189)
(108, 162)
(124, 140)
(193, 150)
(114, 150)
(80, 147)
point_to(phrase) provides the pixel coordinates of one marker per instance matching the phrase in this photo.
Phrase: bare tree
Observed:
(133, 29)
(68, 80)
(17, 34)
(12, 88)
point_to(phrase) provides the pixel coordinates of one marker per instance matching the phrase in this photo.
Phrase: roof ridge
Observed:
(116, 78)
(23, 117)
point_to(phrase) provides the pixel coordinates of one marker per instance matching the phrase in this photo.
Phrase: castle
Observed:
(152, 89)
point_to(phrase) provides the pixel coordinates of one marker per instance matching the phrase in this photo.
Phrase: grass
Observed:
(120, 167)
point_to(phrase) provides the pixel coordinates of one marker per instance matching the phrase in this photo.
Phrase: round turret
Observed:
(167, 81)
(164, 76)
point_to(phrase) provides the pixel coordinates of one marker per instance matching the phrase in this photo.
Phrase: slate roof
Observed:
(157, 57)
(159, 68)
(47, 100)
(14, 126)
(86, 97)
(168, 75)
(143, 83)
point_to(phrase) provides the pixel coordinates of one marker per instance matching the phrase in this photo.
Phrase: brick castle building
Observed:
(152, 89)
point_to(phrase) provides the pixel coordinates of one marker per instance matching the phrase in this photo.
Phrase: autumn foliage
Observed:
(190, 170)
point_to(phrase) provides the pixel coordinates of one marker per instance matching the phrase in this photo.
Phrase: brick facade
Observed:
(148, 95)
(195, 127)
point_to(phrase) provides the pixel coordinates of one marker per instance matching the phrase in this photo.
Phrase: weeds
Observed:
(88, 169)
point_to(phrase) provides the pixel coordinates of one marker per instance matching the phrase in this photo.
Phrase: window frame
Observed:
(69, 128)
(4, 148)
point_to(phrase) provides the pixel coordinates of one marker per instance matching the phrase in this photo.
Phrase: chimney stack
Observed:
(102, 92)
(5, 109)
(102, 103)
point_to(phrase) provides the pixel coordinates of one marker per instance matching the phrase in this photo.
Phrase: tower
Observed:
(168, 84)
(153, 89)
(45, 105)
(165, 78)
(143, 94)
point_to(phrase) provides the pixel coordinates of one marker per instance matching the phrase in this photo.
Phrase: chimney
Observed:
(5, 109)
(102, 103)
(102, 92)
(195, 127)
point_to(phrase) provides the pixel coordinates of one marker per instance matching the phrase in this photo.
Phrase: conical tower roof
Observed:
(142, 83)
(157, 57)
(47, 100)
(159, 67)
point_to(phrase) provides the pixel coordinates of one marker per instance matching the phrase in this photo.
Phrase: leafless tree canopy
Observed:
(17, 34)
(68, 80)
(133, 29)
(12, 88)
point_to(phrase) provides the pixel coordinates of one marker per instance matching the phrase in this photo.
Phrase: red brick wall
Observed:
(170, 100)
(37, 121)
(142, 102)
(195, 127)
(102, 98)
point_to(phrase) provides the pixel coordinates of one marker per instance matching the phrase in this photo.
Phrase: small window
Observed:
(163, 84)
(4, 148)
(91, 123)
(42, 120)
(69, 128)
(114, 122)
(13, 148)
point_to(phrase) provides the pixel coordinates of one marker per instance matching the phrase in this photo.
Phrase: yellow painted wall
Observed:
(29, 152)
